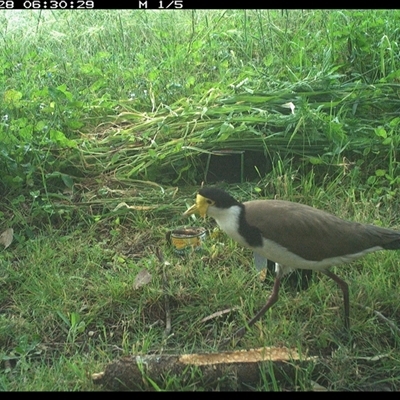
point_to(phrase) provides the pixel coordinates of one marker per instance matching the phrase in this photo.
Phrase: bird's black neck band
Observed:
(251, 234)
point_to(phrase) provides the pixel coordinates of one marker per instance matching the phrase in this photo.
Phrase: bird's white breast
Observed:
(228, 220)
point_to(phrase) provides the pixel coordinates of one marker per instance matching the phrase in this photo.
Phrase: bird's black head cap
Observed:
(221, 198)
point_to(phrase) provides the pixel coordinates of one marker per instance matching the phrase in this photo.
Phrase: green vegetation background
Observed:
(104, 114)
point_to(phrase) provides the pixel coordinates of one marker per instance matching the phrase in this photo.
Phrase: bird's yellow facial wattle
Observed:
(200, 207)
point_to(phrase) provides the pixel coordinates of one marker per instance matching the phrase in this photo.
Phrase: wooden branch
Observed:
(234, 370)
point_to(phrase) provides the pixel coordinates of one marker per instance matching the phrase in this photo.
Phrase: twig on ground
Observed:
(160, 256)
(383, 318)
(219, 313)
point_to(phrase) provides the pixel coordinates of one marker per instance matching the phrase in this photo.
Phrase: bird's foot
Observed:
(235, 338)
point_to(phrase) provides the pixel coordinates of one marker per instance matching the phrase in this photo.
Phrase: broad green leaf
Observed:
(380, 172)
(40, 125)
(59, 138)
(381, 132)
(68, 181)
(315, 160)
(12, 97)
(190, 81)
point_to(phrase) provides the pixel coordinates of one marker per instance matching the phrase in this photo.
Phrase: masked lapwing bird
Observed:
(294, 236)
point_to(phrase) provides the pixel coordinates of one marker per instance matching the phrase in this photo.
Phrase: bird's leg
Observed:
(271, 301)
(345, 289)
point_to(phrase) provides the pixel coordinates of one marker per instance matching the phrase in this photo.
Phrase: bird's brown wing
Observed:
(314, 234)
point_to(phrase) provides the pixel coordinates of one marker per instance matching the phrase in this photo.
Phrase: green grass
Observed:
(69, 305)
(163, 88)
(106, 110)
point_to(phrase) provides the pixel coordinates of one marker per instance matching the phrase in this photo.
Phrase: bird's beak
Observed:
(200, 207)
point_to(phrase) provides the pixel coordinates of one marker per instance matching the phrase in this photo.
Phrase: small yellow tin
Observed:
(186, 238)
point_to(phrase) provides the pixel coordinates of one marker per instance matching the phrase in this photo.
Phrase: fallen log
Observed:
(235, 370)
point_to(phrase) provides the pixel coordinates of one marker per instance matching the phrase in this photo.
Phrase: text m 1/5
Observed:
(171, 4)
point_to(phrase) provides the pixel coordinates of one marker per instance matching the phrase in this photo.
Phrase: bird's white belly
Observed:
(289, 261)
